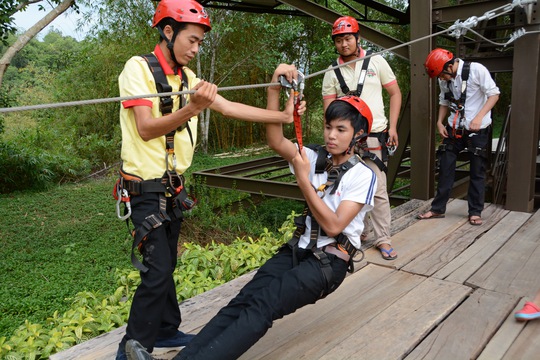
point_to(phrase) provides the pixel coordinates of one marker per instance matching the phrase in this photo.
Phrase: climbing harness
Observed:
(170, 187)
(298, 87)
(342, 248)
(457, 105)
(361, 79)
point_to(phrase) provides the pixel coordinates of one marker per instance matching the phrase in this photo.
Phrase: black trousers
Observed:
(276, 290)
(154, 310)
(447, 170)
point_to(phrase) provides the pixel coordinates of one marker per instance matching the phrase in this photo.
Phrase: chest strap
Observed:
(336, 173)
(458, 105)
(361, 79)
(166, 102)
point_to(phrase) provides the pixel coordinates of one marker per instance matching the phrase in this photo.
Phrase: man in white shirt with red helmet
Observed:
(468, 93)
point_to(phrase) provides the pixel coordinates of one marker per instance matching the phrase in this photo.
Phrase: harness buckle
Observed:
(321, 256)
(174, 182)
(153, 221)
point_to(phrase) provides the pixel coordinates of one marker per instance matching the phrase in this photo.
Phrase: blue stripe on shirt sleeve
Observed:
(371, 188)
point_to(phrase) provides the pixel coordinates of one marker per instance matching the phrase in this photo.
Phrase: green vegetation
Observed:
(65, 258)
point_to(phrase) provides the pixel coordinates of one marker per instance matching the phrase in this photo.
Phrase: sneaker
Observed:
(529, 312)
(136, 351)
(121, 353)
(177, 340)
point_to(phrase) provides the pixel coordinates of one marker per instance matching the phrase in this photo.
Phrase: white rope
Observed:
(458, 29)
(515, 35)
(122, 98)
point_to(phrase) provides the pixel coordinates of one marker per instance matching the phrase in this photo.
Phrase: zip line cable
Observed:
(457, 30)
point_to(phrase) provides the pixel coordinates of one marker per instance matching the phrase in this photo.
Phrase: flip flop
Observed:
(475, 222)
(529, 312)
(387, 252)
(433, 216)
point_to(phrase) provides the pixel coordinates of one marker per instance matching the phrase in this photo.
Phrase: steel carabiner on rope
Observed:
(298, 86)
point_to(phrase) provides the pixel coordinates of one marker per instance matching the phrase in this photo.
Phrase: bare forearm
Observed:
(274, 131)
(246, 112)
(443, 112)
(150, 128)
(325, 217)
(395, 108)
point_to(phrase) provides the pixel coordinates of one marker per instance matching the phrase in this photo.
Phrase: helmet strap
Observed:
(354, 140)
(170, 44)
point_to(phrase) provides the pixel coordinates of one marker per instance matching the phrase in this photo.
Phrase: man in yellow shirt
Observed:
(158, 141)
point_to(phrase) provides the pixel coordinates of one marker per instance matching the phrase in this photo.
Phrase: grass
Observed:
(56, 243)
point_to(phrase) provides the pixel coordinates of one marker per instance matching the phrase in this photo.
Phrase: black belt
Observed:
(331, 249)
(146, 186)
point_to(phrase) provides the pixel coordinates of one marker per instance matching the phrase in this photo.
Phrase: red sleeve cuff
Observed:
(136, 102)
(390, 83)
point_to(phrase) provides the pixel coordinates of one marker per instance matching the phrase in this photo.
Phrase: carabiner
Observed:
(391, 149)
(124, 197)
(297, 85)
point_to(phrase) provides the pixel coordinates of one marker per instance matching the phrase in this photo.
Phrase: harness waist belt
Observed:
(331, 249)
(140, 187)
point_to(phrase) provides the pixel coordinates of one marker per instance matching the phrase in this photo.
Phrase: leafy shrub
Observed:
(30, 167)
(200, 269)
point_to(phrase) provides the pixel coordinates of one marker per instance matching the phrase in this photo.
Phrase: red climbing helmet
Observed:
(361, 106)
(437, 61)
(186, 11)
(345, 25)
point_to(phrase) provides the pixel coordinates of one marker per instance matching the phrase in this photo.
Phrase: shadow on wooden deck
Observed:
(451, 294)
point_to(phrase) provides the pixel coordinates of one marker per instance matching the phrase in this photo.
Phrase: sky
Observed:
(66, 22)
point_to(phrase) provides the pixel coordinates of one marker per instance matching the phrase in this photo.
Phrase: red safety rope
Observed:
(454, 132)
(298, 123)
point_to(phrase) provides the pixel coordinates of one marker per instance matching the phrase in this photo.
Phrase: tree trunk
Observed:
(205, 123)
(30, 34)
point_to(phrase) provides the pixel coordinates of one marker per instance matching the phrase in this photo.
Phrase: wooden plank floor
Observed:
(451, 294)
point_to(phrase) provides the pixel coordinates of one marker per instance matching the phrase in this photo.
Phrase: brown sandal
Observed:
(433, 215)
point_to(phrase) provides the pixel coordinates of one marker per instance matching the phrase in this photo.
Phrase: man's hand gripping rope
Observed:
(298, 87)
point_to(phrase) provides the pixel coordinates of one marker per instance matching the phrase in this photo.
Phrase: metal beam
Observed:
(422, 106)
(404, 131)
(387, 10)
(524, 121)
(451, 13)
(253, 186)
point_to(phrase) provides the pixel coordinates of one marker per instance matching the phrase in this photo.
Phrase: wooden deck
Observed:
(451, 294)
